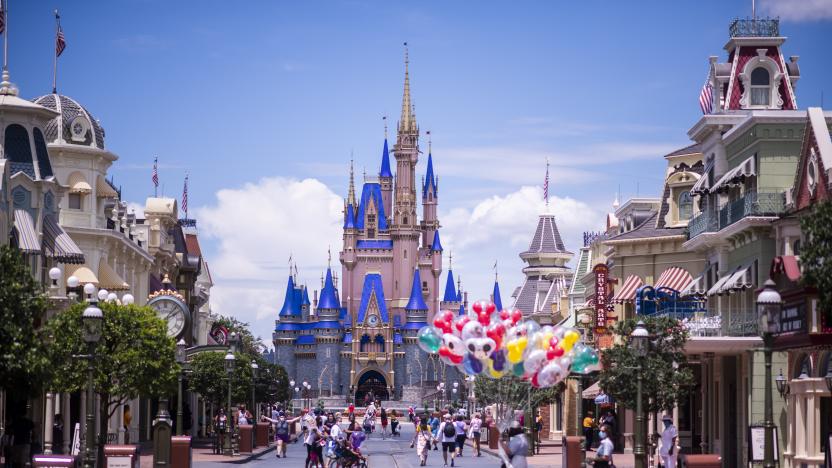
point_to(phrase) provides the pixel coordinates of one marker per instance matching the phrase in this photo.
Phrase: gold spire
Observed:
(351, 194)
(408, 120)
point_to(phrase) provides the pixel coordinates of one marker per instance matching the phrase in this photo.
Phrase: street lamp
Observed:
(127, 299)
(71, 284)
(54, 275)
(254, 368)
(769, 306)
(229, 363)
(92, 321)
(783, 386)
(640, 343)
(180, 359)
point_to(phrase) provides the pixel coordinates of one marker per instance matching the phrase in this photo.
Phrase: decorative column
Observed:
(48, 421)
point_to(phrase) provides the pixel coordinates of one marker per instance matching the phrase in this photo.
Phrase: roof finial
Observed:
(328, 256)
(546, 185)
(351, 193)
(430, 143)
(451, 260)
(384, 118)
(496, 274)
(407, 122)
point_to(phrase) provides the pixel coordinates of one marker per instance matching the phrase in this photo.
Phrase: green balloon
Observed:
(519, 369)
(429, 339)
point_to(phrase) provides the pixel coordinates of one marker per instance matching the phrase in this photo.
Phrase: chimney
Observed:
(315, 298)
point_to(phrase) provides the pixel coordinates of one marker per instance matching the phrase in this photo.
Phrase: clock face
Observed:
(373, 320)
(173, 313)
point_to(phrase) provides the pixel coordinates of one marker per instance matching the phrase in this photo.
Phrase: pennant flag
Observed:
(155, 176)
(2, 16)
(185, 197)
(706, 97)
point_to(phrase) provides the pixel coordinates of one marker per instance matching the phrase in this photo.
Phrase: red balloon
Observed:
(554, 341)
(461, 322)
(535, 383)
(442, 324)
(557, 351)
(477, 306)
(504, 314)
(490, 308)
(516, 315)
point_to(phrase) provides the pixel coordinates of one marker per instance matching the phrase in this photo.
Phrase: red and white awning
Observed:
(627, 291)
(674, 278)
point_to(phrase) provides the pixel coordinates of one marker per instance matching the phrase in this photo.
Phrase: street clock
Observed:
(170, 306)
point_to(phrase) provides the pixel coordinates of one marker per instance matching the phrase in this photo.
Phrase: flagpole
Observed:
(55, 60)
(5, 35)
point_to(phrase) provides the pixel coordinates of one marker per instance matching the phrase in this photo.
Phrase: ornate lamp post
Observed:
(92, 321)
(783, 386)
(230, 362)
(254, 368)
(769, 306)
(180, 359)
(71, 284)
(640, 343)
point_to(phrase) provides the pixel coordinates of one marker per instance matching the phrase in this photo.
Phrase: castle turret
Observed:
(385, 176)
(430, 199)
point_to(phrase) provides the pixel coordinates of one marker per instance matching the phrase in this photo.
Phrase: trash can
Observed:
(705, 460)
(121, 456)
(493, 437)
(246, 438)
(53, 461)
(572, 452)
(262, 438)
(180, 452)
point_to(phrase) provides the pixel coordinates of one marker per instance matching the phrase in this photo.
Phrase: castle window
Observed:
(404, 220)
(760, 87)
(405, 254)
(371, 219)
(371, 233)
(685, 205)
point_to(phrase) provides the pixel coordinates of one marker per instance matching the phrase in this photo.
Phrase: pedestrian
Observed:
(476, 425)
(383, 422)
(423, 441)
(517, 446)
(351, 412)
(603, 457)
(588, 425)
(312, 442)
(459, 426)
(394, 424)
(126, 419)
(447, 432)
(220, 429)
(434, 428)
(668, 449)
(411, 414)
(243, 416)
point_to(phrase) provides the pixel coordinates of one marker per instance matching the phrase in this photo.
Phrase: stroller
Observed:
(394, 428)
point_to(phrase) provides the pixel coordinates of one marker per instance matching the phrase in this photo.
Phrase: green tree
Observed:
(22, 308)
(512, 393)
(250, 344)
(666, 378)
(272, 383)
(209, 378)
(134, 357)
(816, 255)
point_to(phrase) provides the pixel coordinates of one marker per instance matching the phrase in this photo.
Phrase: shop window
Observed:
(796, 248)
(760, 87)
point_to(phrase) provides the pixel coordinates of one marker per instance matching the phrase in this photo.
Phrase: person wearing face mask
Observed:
(669, 436)
(603, 457)
(517, 447)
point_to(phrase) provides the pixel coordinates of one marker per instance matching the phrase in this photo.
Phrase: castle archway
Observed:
(371, 384)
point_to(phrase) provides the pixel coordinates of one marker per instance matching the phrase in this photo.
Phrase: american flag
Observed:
(2, 16)
(155, 176)
(60, 42)
(706, 97)
(185, 197)
(546, 184)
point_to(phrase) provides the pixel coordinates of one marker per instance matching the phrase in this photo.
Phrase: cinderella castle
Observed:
(359, 337)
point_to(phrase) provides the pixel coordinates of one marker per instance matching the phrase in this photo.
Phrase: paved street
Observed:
(389, 453)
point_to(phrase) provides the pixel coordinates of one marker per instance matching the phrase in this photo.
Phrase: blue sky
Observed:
(263, 103)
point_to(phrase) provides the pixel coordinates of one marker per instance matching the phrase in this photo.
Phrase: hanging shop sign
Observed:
(601, 272)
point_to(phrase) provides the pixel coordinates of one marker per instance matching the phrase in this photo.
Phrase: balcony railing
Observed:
(750, 204)
(755, 28)
(708, 323)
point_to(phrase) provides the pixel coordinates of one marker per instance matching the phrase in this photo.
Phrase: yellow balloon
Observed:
(543, 342)
(515, 354)
(522, 342)
(566, 346)
(571, 337)
(494, 373)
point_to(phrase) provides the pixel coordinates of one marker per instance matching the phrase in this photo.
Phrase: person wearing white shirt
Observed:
(603, 456)
(447, 435)
(669, 437)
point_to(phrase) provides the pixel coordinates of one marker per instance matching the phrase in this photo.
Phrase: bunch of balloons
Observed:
(498, 343)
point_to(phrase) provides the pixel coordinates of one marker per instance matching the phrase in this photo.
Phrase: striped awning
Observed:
(674, 278)
(696, 287)
(27, 236)
(740, 280)
(703, 185)
(103, 189)
(82, 272)
(748, 168)
(77, 183)
(58, 244)
(110, 280)
(627, 291)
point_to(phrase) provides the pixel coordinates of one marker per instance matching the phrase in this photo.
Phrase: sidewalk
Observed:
(551, 455)
(203, 451)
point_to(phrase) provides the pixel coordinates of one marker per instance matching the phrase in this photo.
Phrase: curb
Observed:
(244, 459)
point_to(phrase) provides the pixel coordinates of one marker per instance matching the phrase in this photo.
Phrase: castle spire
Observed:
(351, 193)
(385, 156)
(416, 302)
(408, 120)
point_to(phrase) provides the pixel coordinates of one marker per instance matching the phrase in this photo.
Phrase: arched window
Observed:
(44, 165)
(685, 204)
(379, 343)
(760, 87)
(17, 146)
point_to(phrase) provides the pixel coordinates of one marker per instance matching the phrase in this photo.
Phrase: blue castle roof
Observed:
(498, 301)
(328, 299)
(430, 180)
(461, 308)
(437, 245)
(328, 324)
(371, 191)
(416, 302)
(292, 303)
(305, 339)
(383, 244)
(305, 297)
(372, 285)
(450, 288)
(385, 162)
(349, 217)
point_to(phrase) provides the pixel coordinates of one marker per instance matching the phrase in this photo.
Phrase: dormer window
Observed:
(760, 87)
(685, 205)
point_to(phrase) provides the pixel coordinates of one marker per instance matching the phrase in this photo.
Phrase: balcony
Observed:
(750, 204)
(709, 323)
(755, 28)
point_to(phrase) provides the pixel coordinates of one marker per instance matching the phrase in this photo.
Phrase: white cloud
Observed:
(499, 228)
(798, 10)
(255, 229)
